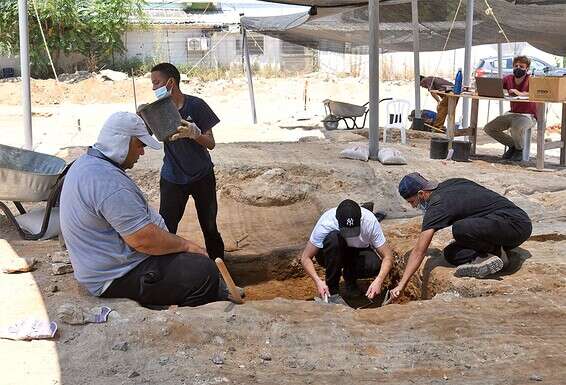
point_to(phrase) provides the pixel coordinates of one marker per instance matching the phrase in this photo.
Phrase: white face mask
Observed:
(161, 92)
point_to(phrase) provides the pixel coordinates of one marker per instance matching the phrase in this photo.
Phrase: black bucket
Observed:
(162, 117)
(438, 148)
(461, 151)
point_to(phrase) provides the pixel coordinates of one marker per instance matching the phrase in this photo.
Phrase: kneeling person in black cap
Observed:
(485, 225)
(347, 240)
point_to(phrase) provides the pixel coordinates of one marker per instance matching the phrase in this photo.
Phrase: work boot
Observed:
(517, 156)
(224, 293)
(504, 257)
(352, 289)
(480, 267)
(509, 153)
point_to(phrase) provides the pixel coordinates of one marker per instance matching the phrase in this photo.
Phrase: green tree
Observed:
(93, 28)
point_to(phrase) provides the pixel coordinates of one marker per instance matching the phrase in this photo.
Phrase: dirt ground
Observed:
(507, 329)
(71, 114)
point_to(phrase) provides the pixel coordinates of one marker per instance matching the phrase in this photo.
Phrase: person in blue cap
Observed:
(485, 225)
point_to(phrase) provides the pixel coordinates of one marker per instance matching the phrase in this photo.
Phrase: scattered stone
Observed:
(133, 374)
(60, 257)
(217, 359)
(61, 268)
(272, 188)
(75, 77)
(231, 318)
(265, 356)
(165, 332)
(112, 75)
(53, 288)
(535, 377)
(232, 349)
(218, 340)
(123, 346)
(163, 360)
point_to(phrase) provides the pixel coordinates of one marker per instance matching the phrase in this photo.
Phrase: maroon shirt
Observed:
(520, 107)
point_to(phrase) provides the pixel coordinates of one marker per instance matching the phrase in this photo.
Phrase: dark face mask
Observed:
(519, 72)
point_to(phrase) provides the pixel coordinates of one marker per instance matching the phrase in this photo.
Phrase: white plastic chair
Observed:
(397, 114)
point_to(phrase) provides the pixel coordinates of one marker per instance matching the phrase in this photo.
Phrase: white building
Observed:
(208, 34)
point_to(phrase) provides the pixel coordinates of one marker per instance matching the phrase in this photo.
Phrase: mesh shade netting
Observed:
(342, 26)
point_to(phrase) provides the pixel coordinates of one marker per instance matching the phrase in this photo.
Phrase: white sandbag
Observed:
(32, 221)
(391, 156)
(358, 152)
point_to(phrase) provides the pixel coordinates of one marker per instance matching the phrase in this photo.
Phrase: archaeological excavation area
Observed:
(506, 329)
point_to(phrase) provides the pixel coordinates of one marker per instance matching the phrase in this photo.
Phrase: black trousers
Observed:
(172, 205)
(476, 237)
(182, 279)
(339, 259)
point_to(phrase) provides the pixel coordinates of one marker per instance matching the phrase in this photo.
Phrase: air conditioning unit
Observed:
(197, 44)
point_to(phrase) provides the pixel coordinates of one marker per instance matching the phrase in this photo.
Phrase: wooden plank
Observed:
(474, 125)
(563, 136)
(478, 97)
(553, 145)
(541, 127)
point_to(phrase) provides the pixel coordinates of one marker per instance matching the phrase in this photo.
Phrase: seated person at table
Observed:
(523, 115)
(433, 83)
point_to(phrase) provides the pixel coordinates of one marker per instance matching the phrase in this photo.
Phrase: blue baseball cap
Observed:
(414, 182)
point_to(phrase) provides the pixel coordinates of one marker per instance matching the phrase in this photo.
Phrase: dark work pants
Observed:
(172, 205)
(339, 259)
(476, 237)
(183, 279)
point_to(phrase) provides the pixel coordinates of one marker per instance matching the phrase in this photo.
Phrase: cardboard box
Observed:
(551, 88)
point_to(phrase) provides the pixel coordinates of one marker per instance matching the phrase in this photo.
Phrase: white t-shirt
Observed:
(370, 230)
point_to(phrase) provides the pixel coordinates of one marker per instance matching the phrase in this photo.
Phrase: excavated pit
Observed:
(279, 274)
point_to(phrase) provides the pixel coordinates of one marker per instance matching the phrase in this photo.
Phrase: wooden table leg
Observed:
(563, 136)
(541, 127)
(474, 125)
(451, 121)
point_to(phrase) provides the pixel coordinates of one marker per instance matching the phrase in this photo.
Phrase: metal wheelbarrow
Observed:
(337, 111)
(29, 176)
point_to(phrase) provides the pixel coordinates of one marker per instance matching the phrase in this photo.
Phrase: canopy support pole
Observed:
(500, 71)
(417, 120)
(373, 79)
(467, 59)
(25, 72)
(249, 73)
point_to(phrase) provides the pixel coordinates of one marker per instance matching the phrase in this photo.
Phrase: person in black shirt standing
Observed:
(485, 225)
(187, 168)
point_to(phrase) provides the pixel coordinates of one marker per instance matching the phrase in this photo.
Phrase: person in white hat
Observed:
(119, 246)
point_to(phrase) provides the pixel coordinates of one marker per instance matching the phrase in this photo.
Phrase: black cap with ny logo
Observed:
(349, 214)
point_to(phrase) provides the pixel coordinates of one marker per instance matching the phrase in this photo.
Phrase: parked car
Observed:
(488, 67)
